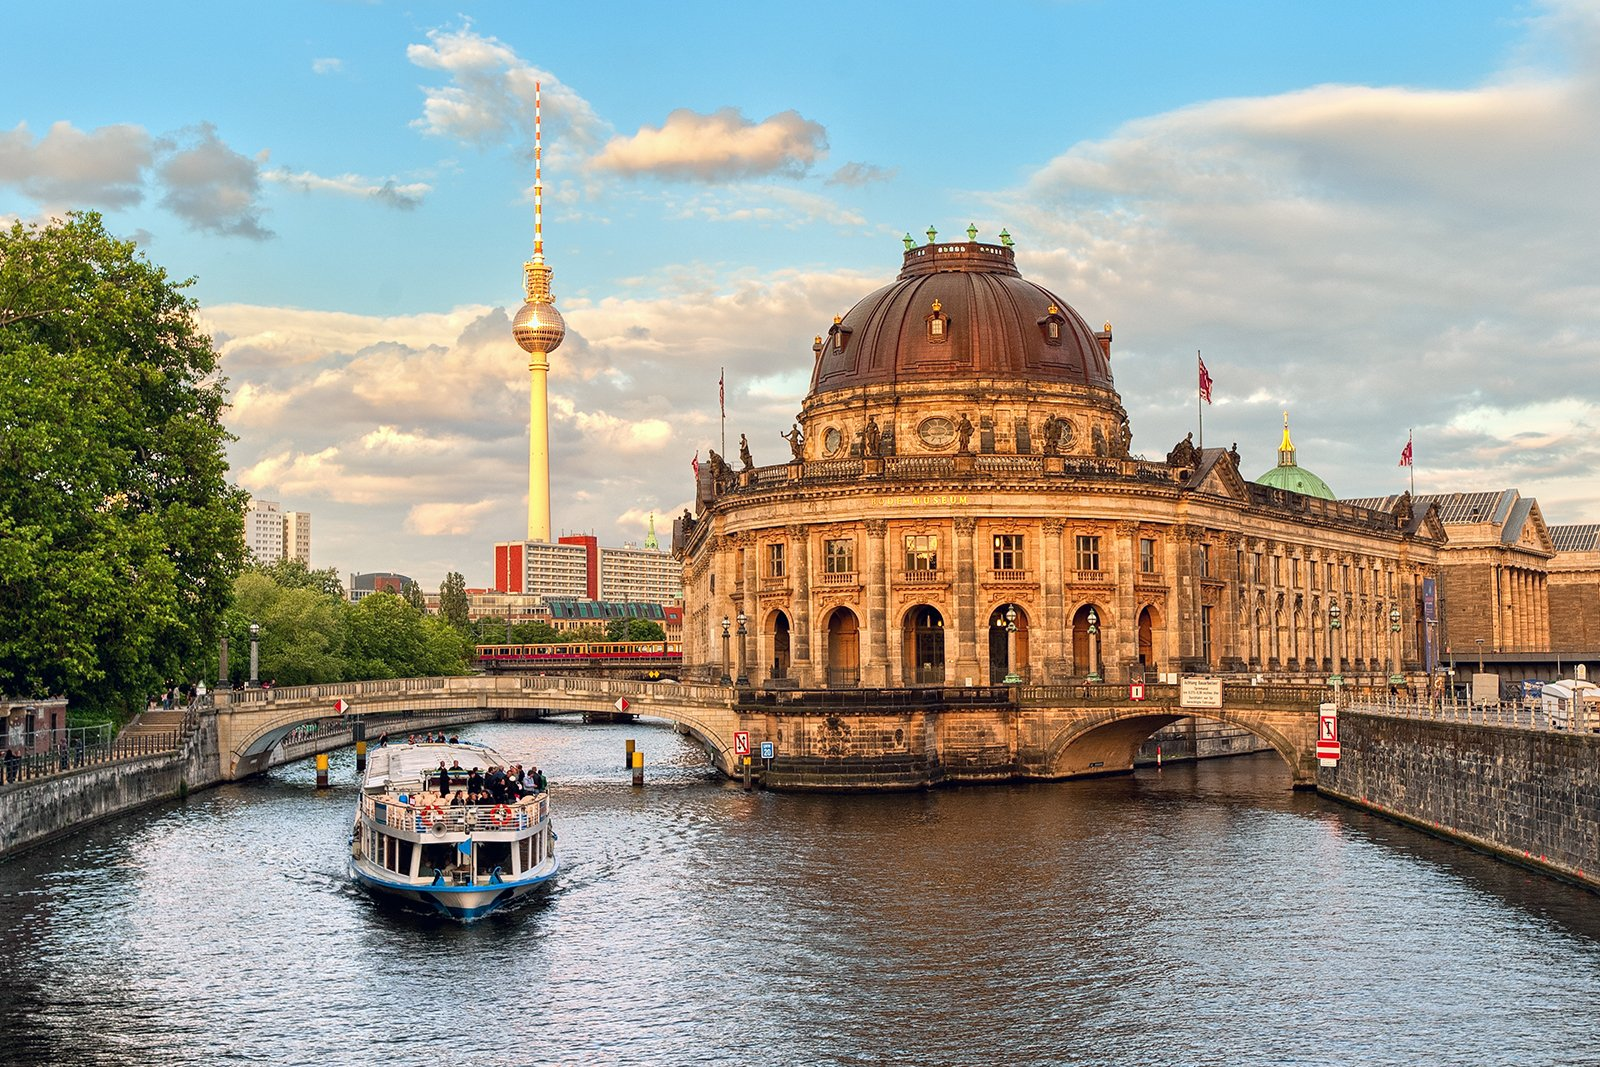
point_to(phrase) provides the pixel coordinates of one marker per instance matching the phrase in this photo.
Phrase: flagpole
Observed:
(722, 406)
(1411, 468)
(1199, 411)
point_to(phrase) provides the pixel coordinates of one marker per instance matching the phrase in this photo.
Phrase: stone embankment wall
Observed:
(40, 809)
(1531, 796)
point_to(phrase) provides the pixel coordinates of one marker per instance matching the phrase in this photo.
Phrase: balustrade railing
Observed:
(1519, 714)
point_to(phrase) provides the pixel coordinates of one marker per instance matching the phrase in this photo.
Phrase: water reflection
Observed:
(1205, 914)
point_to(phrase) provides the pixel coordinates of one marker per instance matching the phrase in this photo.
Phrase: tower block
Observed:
(538, 329)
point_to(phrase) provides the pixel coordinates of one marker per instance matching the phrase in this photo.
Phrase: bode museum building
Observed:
(963, 507)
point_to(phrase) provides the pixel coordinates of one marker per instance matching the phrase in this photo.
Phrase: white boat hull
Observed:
(463, 902)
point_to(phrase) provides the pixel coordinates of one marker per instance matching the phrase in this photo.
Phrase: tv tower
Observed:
(538, 329)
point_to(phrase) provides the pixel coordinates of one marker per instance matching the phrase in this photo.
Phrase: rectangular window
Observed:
(922, 552)
(839, 556)
(1205, 632)
(1205, 561)
(1088, 552)
(1277, 570)
(775, 560)
(1294, 571)
(1330, 576)
(1257, 571)
(1008, 552)
(1147, 555)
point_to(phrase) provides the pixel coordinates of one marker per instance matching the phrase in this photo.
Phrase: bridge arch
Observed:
(1107, 740)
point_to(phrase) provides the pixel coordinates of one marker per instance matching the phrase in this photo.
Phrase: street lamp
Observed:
(1395, 677)
(1012, 677)
(1334, 623)
(255, 633)
(1094, 647)
(726, 679)
(744, 678)
(1479, 640)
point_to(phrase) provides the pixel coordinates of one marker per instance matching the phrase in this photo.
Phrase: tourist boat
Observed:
(466, 860)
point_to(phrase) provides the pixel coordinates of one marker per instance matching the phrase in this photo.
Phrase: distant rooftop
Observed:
(1583, 537)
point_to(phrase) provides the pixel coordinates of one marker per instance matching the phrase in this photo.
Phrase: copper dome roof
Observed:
(958, 311)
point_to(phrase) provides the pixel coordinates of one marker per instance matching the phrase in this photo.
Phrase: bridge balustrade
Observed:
(1517, 714)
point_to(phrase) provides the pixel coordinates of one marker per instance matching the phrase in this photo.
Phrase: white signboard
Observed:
(1200, 692)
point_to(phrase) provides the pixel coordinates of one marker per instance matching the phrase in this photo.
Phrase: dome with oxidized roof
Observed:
(960, 311)
(1289, 475)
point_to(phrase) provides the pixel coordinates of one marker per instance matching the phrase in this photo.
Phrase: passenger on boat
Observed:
(459, 800)
(540, 782)
(474, 782)
(443, 775)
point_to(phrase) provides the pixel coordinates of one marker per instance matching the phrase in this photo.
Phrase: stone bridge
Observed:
(827, 739)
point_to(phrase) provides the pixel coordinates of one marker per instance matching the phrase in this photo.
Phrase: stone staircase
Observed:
(150, 724)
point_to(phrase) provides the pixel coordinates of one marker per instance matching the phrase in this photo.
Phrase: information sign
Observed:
(766, 750)
(1328, 735)
(1135, 690)
(741, 742)
(341, 706)
(622, 704)
(1202, 691)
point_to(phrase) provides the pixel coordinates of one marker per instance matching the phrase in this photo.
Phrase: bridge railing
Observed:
(1519, 714)
(79, 747)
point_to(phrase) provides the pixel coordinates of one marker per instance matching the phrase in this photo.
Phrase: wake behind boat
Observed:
(412, 840)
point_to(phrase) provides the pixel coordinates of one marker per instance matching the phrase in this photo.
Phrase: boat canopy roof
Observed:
(411, 763)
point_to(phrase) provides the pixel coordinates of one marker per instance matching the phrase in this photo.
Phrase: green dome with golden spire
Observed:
(1289, 475)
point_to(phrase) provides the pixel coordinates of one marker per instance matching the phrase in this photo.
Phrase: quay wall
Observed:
(1531, 796)
(42, 809)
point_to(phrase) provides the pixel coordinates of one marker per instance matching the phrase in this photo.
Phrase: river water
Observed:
(1197, 915)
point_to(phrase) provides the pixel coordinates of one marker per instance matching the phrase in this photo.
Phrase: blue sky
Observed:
(1376, 216)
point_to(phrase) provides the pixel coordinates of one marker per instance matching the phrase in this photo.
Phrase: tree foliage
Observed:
(308, 636)
(635, 630)
(294, 574)
(412, 594)
(453, 603)
(120, 537)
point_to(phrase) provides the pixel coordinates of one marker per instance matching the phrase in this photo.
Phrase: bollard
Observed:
(322, 770)
(638, 768)
(627, 759)
(1158, 757)
(361, 756)
(747, 774)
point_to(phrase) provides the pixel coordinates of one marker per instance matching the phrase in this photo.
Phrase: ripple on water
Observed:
(1199, 915)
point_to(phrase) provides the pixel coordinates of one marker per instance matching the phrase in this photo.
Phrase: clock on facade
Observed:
(832, 440)
(936, 432)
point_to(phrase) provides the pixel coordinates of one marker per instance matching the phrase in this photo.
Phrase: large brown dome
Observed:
(960, 311)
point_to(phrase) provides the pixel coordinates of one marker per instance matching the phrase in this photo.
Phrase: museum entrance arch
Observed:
(1087, 639)
(1149, 625)
(923, 646)
(1000, 663)
(779, 636)
(844, 649)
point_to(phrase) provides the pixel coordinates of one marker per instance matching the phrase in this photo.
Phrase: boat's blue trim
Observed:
(444, 897)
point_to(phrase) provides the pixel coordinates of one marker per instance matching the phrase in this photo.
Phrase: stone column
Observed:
(965, 588)
(1117, 654)
(1050, 640)
(800, 666)
(875, 658)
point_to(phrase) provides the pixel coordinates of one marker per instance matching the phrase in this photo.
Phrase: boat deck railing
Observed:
(421, 817)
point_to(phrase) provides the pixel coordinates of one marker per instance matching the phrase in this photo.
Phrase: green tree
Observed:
(120, 536)
(294, 574)
(413, 595)
(634, 630)
(453, 602)
(302, 632)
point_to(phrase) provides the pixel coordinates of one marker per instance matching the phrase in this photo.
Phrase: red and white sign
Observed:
(1328, 735)
(341, 706)
(622, 704)
(1135, 690)
(741, 742)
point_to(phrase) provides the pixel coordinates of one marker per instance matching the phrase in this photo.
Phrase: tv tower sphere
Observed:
(538, 326)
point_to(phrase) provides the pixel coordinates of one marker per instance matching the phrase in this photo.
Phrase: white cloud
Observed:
(70, 167)
(212, 187)
(447, 519)
(327, 65)
(778, 205)
(490, 98)
(861, 174)
(385, 191)
(716, 147)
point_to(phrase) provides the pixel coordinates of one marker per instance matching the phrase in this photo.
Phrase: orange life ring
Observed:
(434, 817)
(501, 815)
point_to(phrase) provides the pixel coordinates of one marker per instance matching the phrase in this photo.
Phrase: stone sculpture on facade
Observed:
(797, 443)
(744, 453)
(1184, 454)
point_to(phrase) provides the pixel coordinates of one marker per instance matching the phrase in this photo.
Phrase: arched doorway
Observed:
(780, 645)
(1000, 663)
(844, 649)
(1086, 646)
(1149, 623)
(923, 642)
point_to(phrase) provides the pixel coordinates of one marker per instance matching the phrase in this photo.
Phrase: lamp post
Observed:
(1395, 677)
(1012, 677)
(726, 678)
(255, 633)
(1094, 647)
(1334, 623)
(222, 665)
(1479, 640)
(744, 657)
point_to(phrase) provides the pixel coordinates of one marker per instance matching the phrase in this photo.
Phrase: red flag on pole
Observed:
(1205, 380)
(722, 393)
(1405, 453)
(694, 464)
